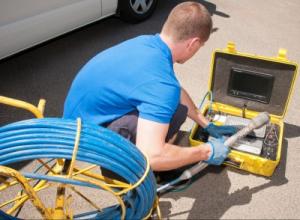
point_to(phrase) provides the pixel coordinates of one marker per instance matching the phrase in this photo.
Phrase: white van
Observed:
(25, 23)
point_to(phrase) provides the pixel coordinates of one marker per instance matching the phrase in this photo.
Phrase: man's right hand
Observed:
(219, 152)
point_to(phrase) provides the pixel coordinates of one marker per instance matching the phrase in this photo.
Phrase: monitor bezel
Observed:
(249, 95)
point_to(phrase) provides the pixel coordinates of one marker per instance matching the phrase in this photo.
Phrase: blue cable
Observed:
(54, 138)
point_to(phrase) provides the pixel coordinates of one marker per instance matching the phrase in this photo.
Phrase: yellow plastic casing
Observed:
(238, 159)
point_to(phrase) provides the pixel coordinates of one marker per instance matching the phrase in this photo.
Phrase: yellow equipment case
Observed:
(242, 86)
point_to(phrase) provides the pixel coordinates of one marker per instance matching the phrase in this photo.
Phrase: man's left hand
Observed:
(219, 131)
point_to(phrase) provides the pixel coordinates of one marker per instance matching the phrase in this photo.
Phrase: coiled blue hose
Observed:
(54, 138)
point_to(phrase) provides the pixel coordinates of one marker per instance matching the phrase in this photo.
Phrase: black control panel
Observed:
(270, 143)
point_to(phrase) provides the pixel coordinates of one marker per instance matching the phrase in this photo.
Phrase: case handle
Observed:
(282, 54)
(231, 47)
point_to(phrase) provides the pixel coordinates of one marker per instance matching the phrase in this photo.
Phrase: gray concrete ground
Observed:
(257, 27)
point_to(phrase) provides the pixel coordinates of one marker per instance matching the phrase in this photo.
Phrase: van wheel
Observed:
(136, 10)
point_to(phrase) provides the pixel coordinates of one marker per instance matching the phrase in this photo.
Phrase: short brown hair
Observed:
(187, 20)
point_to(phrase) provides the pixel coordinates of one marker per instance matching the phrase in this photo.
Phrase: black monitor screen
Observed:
(250, 85)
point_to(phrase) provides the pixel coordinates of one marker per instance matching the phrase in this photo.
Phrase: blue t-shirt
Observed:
(134, 75)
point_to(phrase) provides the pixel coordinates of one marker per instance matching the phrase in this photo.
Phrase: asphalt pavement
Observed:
(256, 27)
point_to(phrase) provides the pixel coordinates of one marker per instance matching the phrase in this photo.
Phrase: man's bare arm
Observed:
(164, 156)
(193, 112)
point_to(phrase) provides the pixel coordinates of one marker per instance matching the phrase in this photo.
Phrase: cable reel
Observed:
(60, 146)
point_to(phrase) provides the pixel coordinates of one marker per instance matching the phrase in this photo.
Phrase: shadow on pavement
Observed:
(291, 131)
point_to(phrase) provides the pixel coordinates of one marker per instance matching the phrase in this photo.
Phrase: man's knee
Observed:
(177, 120)
(125, 126)
(181, 113)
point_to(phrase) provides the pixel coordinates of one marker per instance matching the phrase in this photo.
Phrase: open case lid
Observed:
(253, 82)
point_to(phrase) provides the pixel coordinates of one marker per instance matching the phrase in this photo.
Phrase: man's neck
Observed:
(174, 47)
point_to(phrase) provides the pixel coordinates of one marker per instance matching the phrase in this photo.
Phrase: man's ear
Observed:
(193, 42)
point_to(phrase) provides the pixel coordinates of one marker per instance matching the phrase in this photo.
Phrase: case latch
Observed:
(234, 162)
(282, 54)
(231, 47)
